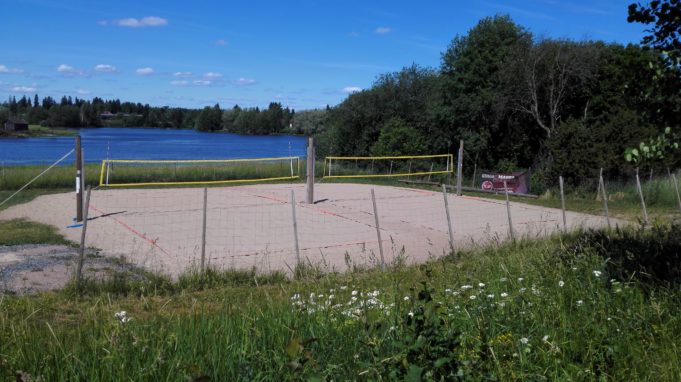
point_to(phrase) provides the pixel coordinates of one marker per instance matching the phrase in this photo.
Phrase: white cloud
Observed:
(383, 30)
(131, 22)
(179, 83)
(24, 89)
(144, 71)
(212, 75)
(201, 82)
(5, 69)
(83, 92)
(221, 42)
(351, 89)
(63, 68)
(183, 74)
(105, 68)
(245, 81)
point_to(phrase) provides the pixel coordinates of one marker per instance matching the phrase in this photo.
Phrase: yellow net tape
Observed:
(333, 160)
(105, 171)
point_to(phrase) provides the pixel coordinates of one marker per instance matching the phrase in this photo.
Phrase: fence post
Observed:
(81, 250)
(600, 176)
(676, 188)
(643, 202)
(449, 220)
(562, 202)
(604, 195)
(310, 170)
(508, 211)
(431, 170)
(203, 230)
(295, 226)
(459, 168)
(378, 229)
(79, 191)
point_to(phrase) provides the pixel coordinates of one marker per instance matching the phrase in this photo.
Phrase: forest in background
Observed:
(558, 106)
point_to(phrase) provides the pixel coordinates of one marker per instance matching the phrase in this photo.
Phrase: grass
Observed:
(533, 310)
(39, 131)
(20, 231)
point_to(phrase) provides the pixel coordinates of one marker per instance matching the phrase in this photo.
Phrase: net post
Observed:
(601, 186)
(79, 171)
(295, 226)
(643, 201)
(508, 212)
(83, 183)
(449, 220)
(598, 191)
(310, 170)
(203, 230)
(459, 168)
(378, 229)
(81, 249)
(676, 188)
(562, 202)
(431, 168)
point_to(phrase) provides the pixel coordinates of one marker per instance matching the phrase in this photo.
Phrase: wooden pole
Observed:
(83, 182)
(600, 176)
(79, 171)
(459, 168)
(643, 201)
(310, 170)
(676, 188)
(203, 230)
(508, 212)
(378, 229)
(295, 226)
(475, 172)
(562, 202)
(449, 220)
(604, 195)
(81, 249)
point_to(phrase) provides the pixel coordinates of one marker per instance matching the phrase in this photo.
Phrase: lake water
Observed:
(142, 143)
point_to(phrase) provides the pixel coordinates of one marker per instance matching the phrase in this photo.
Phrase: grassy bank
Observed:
(554, 309)
(39, 131)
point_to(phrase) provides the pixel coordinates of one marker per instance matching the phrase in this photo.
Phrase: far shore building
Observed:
(16, 125)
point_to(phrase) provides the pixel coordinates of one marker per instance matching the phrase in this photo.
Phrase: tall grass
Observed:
(534, 310)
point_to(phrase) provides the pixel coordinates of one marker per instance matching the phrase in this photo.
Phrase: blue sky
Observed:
(304, 54)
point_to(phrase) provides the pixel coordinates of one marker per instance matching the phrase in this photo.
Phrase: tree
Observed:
(210, 119)
(397, 138)
(665, 34)
(550, 74)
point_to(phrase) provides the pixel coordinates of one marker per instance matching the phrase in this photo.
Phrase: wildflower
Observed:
(354, 293)
(522, 290)
(373, 294)
(410, 314)
(343, 287)
(503, 279)
(501, 304)
(597, 273)
(122, 316)
(472, 297)
(295, 297)
(332, 291)
(545, 338)
(561, 283)
(320, 296)
(448, 290)
(331, 296)
(580, 302)
(490, 296)
(406, 298)
(464, 287)
(524, 340)
(481, 285)
(520, 279)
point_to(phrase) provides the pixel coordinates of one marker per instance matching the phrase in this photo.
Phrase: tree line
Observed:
(76, 112)
(558, 106)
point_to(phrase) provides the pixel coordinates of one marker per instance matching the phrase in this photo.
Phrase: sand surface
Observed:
(253, 225)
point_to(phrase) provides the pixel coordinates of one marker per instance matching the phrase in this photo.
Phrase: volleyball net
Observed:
(388, 166)
(134, 173)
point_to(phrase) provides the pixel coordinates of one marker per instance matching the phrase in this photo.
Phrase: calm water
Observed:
(140, 143)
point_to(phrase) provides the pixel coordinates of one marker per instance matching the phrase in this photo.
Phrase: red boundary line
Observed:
(134, 231)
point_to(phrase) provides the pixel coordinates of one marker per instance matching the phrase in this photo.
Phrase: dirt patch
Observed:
(32, 268)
